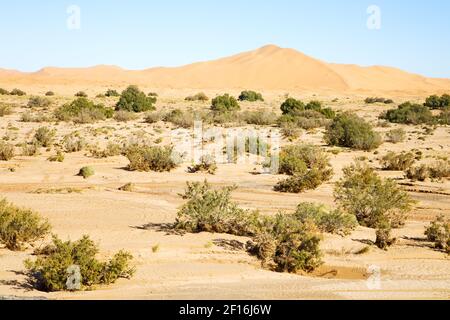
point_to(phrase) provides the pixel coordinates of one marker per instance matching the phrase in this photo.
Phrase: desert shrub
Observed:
(300, 158)
(206, 164)
(58, 157)
(153, 117)
(5, 110)
(373, 200)
(308, 119)
(44, 137)
(134, 100)
(81, 94)
(436, 171)
(348, 130)
(396, 136)
(86, 172)
(39, 102)
(125, 116)
(30, 149)
(73, 143)
(290, 131)
(444, 117)
(435, 102)
(318, 107)
(20, 227)
(301, 182)
(398, 162)
(179, 118)
(112, 93)
(51, 271)
(225, 103)
(259, 118)
(4, 92)
(18, 92)
(209, 210)
(112, 149)
(38, 118)
(383, 235)
(418, 173)
(251, 96)
(378, 100)
(198, 97)
(291, 106)
(143, 158)
(129, 187)
(83, 110)
(152, 94)
(438, 232)
(6, 151)
(49, 94)
(329, 221)
(408, 113)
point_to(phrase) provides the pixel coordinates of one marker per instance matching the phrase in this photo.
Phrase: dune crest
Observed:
(267, 68)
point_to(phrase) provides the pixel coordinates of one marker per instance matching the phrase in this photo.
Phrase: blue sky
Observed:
(137, 34)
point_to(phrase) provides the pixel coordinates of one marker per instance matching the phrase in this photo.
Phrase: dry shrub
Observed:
(396, 136)
(6, 151)
(44, 136)
(143, 158)
(398, 162)
(125, 116)
(5, 110)
(439, 233)
(206, 164)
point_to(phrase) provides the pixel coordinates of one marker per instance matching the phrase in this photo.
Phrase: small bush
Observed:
(398, 162)
(198, 97)
(81, 94)
(134, 100)
(154, 117)
(82, 111)
(44, 137)
(439, 233)
(301, 182)
(408, 113)
(292, 106)
(378, 100)
(29, 117)
(371, 199)
(180, 118)
(129, 187)
(436, 171)
(112, 93)
(125, 116)
(6, 151)
(225, 103)
(59, 157)
(4, 92)
(383, 235)
(49, 94)
(52, 270)
(39, 102)
(435, 102)
(290, 131)
(86, 172)
(444, 117)
(348, 130)
(209, 210)
(5, 110)
(251, 96)
(396, 136)
(18, 92)
(207, 164)
(112, 149)
(299, 158)
(158, 159)
(329, 221)
(30, 149)
(73, 143)
(419, 173)
(152, 94)
(19, 227)
(259, 118)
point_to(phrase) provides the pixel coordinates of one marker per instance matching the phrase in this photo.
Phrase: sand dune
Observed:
(268, 68)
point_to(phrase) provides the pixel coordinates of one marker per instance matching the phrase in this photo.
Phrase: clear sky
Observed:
(137, 34)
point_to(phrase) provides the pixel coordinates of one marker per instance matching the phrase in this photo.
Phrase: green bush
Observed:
(112, 93)
(300, 158)
(134, 100)
(301, 182)
(378, 100)
(444, 117)
(125, 116)
(371, 199)
(19, 227)
(6, 151)
(408, 113)
(225, 103)
(18, 92)
(81, 94)
(292, 106)
(39, 102)
(86, 172)
(206, 164)
(52, 270)
(398, 162)
(143, 158)
(198, 97)
(383, 235)
(348, 130)
(5, 110)
(59, 157)
(251, 96)
(329, 221)
(439, 233)
(49, 93)
(83, 110)
(44, 137)
(435, 102)
(396, 136)
(209, 210)
(4, 92)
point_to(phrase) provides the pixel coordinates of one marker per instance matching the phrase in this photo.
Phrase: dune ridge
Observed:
(267, 68)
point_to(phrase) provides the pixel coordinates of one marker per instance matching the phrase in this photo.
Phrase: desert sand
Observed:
(215, 266)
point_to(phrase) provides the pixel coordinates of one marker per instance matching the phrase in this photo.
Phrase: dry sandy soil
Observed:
(205, 266)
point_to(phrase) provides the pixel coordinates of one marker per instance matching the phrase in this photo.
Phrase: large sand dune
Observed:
(268, 68)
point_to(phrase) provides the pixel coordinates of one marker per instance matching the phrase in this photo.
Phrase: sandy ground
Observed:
(205, 266)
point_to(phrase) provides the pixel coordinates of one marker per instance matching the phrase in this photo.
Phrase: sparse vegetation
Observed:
(18, 92)
(259, 118)
(207, 164)
(44, 137)
(134, 100)
(439, 233)
(39, 102)
(378, 100)
(398, 162)
(125, 116)
(52, 270)
(73, 143)
(250, 96)
(20, 227)
(82, 111)
(5, 110)
(348, 130)
(396, 136)
(6, 151)
(143, 158)
(436, 171)
(408, 113)
(198, 97)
